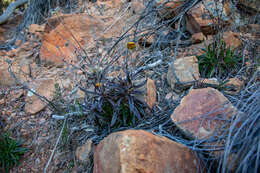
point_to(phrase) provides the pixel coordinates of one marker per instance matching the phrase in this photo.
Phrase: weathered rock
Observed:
(203, 112)
(231, 39)
(183, 72)
(197, 38)
(233, 86)
(199, 18)
(20, 68)
(65, 35)
(5, 77)
(137, 151)
(168, 10)
(151, 93)
(43, 87)
(84, 152)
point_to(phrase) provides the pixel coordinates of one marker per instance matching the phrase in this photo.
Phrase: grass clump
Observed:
(10, 152)
(218, 59)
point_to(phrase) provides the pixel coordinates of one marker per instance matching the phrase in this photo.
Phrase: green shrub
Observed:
(218, 60)
(10, 152)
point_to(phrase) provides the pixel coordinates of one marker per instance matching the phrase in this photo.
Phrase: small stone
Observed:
(170, 9)
(197, 38)
(233, 86)
(183, 72)
(43, 87)
(18, 42)
(151, 93)
(83, 153)
(231, 39)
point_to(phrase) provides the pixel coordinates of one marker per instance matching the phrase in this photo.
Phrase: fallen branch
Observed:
(10, 9)
(55, 147)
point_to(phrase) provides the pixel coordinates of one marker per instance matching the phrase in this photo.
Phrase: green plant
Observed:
(217, 59)
(10, 151)
(115, 103)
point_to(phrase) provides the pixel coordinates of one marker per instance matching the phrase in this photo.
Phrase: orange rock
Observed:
(138, 151)
(186, 72)
(2, 101)
(84, 152)
(5, 77)
(197, 38)
(202, 112)
(202, 17)
(151, 98)
(43, 87)
(18, 42)
(64, 35)
(233, 86)
(170, 9)
(2, 53)
(231, 39)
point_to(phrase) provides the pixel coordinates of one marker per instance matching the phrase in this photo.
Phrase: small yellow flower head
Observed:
(98, 84)
(131, 45)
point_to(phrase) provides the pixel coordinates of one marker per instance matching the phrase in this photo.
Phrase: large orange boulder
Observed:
(138, 151)
(203, 113)
(66, 36)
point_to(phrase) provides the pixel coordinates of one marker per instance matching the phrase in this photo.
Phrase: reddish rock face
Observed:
(137, 151)
(64, 35)
(202, 112)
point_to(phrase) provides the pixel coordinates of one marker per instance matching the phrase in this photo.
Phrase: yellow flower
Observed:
(98, 84)
(131, 45)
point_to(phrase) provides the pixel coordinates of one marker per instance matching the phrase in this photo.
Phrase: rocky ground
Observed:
(187, 114)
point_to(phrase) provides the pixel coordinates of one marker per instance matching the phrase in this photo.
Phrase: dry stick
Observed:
(26, 87)
(55, 147)
(147, 67)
